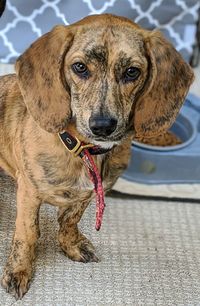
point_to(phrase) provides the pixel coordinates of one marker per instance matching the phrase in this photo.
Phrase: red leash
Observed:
(98, 187)
(85, 151)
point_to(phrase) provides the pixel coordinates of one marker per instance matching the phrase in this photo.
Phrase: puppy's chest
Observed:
(67, 179)
(83, 181)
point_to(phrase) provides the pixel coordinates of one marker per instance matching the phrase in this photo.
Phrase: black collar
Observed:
(75, 146)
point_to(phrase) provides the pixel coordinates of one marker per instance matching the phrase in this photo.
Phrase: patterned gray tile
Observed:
(6, 19)
(167, 35)
(47, 20)
(3, 48)
(123, 10)
(146, 23)
(179, 24)
(166, 12)
(145, 5)
(26, 9)
(73, 11)
(177, 16)
(26, 29)
(99, 4)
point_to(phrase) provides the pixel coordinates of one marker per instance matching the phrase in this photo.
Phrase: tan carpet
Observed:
(149, 250)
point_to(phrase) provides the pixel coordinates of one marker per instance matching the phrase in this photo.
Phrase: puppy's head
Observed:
(105, 74)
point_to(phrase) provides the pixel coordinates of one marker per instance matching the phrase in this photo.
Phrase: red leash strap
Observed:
(77, 148)
(98, 187)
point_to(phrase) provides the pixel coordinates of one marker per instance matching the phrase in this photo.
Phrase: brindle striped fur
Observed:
(46, 96)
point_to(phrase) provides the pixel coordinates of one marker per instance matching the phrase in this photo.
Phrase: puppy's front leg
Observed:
(18, 270)
(74, 244)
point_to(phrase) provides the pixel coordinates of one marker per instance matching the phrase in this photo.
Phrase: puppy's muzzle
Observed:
(102, 126)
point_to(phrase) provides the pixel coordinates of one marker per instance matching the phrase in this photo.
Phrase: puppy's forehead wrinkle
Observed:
(101, 39)
(123, 60)
(98, 53)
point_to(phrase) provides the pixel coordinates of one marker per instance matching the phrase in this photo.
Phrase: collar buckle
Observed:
(73, 144)
(82, 147)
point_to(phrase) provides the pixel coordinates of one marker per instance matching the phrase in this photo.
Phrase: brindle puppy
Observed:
(105, 80)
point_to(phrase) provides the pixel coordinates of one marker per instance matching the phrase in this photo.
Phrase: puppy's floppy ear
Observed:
(41, 79)
(164, 92)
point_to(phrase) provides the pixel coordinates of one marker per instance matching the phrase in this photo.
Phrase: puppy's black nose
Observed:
(102, 126)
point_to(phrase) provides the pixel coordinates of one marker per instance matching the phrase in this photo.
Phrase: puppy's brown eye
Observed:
(131, 74)
(80, 69)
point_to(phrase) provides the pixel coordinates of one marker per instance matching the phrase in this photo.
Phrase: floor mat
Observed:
(149, 253)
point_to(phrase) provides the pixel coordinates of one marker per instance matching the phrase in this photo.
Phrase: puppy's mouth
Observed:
(106, 142)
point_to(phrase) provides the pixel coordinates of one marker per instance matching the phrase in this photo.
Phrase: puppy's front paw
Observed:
(85, 252)
(16, 283)
(82, 250)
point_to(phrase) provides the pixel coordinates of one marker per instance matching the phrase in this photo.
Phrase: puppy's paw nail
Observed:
(16, 283)
(82, 251)
(87, 254)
